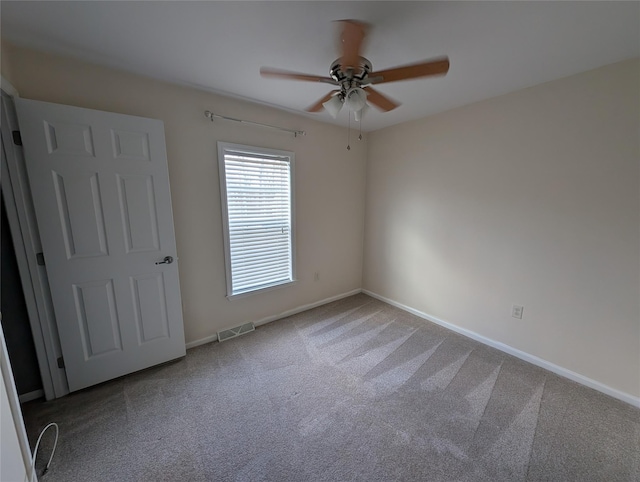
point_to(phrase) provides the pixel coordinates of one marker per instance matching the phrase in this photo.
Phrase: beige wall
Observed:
(530, 198)
(5, 67)
(329, 189)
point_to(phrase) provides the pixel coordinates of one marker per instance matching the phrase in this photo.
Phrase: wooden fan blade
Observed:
(380, 101)
(285, 74)
(351, 39)
(317, 107)
(423, 69)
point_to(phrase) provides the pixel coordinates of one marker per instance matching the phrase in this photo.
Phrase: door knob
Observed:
(166, 260)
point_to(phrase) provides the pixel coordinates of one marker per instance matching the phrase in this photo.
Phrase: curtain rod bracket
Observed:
(210, 115)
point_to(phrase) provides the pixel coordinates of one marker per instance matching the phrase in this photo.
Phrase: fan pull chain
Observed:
(360, 124)
(349, 131)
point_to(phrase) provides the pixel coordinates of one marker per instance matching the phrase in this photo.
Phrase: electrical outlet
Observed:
(516, 311)
(316, 276)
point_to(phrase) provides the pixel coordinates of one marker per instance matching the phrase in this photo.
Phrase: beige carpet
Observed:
(353, 390)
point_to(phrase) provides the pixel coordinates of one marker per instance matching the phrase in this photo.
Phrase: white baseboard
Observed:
(284, 314)
(563, 372)
(27, 397)
(202, 341)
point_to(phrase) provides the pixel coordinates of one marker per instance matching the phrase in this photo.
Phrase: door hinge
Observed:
(60, 362)
(40, 259)
(17, 138)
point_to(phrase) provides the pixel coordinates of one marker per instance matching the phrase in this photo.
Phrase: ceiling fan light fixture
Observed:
(356, 99)
(357, 114)
(333, 105)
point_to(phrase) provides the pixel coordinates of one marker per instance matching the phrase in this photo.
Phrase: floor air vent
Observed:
(237, 331)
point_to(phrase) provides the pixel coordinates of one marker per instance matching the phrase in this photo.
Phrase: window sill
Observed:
(261, 290)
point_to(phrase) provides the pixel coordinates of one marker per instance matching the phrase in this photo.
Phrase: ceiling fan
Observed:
(354, 75)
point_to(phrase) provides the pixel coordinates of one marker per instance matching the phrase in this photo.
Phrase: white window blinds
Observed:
(257, 200)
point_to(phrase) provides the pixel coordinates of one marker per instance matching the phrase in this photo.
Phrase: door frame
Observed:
(26, 239)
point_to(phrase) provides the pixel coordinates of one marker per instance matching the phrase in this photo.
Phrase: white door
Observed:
(100, 187)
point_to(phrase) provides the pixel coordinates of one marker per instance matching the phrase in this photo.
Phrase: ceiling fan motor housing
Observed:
(349, 78)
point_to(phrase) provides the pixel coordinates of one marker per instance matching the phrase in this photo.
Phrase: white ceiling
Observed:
(494, 47)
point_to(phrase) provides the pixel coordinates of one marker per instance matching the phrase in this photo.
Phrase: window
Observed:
(256, 186)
